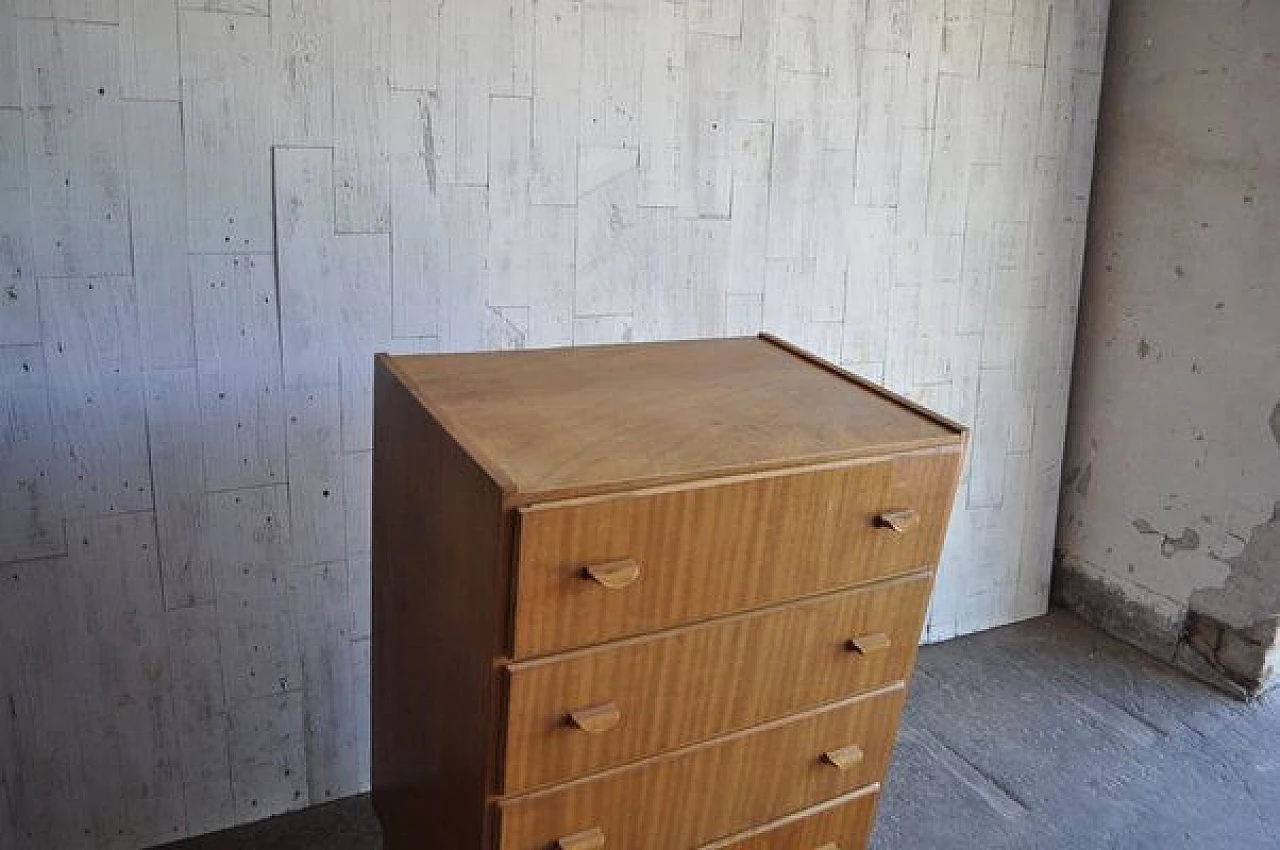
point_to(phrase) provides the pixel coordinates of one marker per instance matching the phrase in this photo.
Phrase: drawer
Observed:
(579, 713)
(598, 569)
(687, 799)
(842, 824)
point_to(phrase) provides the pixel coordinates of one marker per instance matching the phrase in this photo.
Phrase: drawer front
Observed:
(605, 568)
(580, 713)
(842, 824)
(706, 793)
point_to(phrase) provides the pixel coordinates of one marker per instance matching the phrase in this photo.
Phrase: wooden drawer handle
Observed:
(843, 758)
(867, 644)
(614, 575)
(900, 521)
(588, 839)
(830, 846)
(596, 719)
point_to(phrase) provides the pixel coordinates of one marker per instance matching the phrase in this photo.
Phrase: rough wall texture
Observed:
(214, 211)
(1170, 531)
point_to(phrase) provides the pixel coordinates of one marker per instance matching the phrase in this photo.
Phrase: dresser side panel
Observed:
(440, 602)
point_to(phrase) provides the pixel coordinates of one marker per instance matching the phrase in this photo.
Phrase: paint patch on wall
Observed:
(1251, 593)
(1187, 541)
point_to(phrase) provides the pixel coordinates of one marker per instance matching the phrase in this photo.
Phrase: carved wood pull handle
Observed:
(900, 521)
(843, 758)
(596, 719)
(830, 846)
(614, 575)
(867, 644)
(588, 839)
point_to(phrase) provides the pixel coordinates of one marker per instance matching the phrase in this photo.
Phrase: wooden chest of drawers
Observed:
(646, 597)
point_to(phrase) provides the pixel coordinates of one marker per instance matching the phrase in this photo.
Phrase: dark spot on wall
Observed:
(1144, 348)
(1187, 541)
(1179, 271)
(1145, 527)
(1274, 422)
(1072, 474)
(428, 149)
(1085, 479)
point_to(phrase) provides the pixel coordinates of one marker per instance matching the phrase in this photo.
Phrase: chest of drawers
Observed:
(649, 597)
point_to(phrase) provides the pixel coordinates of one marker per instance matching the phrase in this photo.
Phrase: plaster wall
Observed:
(1170, 529)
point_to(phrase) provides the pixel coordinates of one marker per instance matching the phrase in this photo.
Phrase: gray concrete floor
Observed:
(1046, 734)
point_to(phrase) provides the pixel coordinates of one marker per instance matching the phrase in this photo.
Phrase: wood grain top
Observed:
(566, 422)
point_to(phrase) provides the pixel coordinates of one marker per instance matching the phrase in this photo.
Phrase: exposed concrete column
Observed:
(1170, 528)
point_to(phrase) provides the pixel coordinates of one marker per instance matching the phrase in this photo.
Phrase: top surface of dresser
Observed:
(559, 423)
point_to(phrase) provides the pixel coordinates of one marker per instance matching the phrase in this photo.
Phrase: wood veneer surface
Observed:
(680, 687)
(841, 824)
(723, 547)
(709, 792)
(439, 614)
(569, 421)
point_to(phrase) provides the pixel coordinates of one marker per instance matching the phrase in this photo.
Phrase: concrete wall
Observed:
(1170, 531)
(214, 211)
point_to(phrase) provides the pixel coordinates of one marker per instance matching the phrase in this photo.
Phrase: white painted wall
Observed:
(214, 214)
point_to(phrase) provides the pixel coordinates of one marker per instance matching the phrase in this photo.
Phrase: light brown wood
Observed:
(597, 719)
(614, 575)
(680, 687)
(659, 597)
(866, 384)
(722, 547)
(589, 839)
(564, 422)
(715, 790)
(869, 643)
(900, 521)
(844, 758)
(440, 542)
(847, 819)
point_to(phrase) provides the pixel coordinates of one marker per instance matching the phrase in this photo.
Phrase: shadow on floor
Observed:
(1046, 734)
